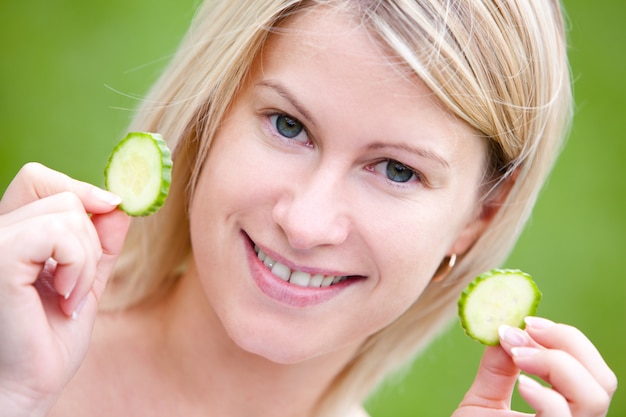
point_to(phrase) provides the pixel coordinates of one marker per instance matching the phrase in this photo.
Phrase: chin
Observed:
(274, 349)
(286, 343)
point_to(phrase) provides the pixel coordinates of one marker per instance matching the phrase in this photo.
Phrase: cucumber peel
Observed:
(494, 298)
(139, 170)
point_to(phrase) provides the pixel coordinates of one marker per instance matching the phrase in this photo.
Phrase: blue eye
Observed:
(286, 126)
(395, 171)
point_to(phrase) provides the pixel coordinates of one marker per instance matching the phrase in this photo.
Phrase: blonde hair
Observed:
(499, 65)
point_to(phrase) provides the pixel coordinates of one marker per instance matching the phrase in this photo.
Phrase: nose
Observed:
(313, 212)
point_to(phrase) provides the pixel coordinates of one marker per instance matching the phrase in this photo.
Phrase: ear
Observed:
(485, 214)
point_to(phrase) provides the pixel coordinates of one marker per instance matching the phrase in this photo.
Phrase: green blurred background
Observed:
(73, 70)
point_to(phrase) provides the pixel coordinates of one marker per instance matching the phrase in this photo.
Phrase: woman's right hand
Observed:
(59, 239)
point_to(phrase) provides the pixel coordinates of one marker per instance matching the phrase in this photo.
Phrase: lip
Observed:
(284, 292)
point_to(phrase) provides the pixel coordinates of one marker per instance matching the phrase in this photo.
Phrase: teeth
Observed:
(316, 281)
(300, 278)
(269, 262)
(327, 281)
(282, 271)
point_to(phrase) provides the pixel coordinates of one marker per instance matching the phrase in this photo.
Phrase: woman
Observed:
(331, 158)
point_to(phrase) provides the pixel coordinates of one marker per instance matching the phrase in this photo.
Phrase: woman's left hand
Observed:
(581, 382)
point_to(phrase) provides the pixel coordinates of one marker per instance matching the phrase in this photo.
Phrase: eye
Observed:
(395, 171)
(288, 127)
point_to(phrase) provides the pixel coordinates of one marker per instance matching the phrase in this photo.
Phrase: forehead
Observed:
(331, 52)
(323, 33)
(324, 44)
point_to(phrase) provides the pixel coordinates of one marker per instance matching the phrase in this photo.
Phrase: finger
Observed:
(61, 203)
(545, 401)
(86, 244)
(493, 386)
(568, 377)
(573, 341)
(57, 228)
(35, 181)
(69, 272)
(111, 228)
(31, 244)
(68, 239)
(75, 249)
(511, 337)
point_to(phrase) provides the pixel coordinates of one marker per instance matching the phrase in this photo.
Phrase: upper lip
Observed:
(309, 269)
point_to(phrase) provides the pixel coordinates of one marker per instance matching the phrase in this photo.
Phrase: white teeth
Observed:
(281, 271)
(316, 281)
(327, 281)
(300, 278)
(269, 262)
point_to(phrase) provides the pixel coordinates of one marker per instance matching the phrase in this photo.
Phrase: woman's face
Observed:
(334, 164)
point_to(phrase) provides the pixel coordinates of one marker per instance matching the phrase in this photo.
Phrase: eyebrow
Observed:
(283, 92)
(414, 150)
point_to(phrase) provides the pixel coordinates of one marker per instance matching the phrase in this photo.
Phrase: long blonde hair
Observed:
(499, 65)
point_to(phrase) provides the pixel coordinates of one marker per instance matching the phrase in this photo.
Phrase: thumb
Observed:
(494, 383)
(112, 228)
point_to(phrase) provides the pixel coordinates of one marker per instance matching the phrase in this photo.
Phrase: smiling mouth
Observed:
(299, 278)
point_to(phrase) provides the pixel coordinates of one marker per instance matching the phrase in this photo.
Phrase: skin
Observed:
(322, 202)
(43, 214)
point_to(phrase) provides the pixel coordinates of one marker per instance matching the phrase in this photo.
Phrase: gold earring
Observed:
(444, 269)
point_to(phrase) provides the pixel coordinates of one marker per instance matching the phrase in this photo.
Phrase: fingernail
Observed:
(66, 292)
(520, 352)
(528, 382)
(538, 322)
(106, 196)
(512, 335)
(78, 309)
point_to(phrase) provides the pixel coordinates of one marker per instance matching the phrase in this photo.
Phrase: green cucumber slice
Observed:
(139, 170)
(497, 297)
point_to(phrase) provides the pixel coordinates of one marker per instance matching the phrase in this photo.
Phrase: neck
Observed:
(217, 373)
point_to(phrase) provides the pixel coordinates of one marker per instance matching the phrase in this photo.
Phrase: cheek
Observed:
(406, 260)
(408, 251)
(228, 174)
(413, 242)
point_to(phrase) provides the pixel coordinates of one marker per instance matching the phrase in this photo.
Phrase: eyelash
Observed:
(416, 177)
(272, 119)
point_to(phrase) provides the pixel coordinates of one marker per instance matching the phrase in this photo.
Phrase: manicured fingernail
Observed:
(520, 352)
(528, 382)
(78, 309)
(66, 292)
(106, 196)
(512, 335)
(538, 322)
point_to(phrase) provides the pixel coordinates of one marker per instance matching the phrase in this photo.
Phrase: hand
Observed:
(581, 382)
(59, 239)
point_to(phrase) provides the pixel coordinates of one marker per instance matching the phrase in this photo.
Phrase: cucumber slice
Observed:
(139, 170)
(500, 296)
